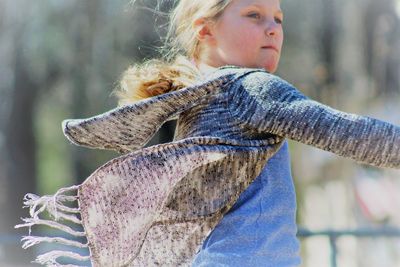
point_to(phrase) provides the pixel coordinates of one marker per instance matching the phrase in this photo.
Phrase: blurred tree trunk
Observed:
(328, 36)
(329, 40)
(20, 90)
(382, 45)
(83, 37)
(19, 152)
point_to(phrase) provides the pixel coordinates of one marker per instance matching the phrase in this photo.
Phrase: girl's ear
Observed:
(204, 30)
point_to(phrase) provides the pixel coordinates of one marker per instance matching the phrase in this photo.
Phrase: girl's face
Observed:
(248, 33)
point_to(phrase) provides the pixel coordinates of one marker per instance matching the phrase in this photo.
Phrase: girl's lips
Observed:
(270, 47)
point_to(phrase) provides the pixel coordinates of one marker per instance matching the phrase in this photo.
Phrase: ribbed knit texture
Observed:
(267, 103)
(156, 206)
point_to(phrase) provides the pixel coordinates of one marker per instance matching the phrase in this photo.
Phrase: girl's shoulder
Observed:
(255, 84)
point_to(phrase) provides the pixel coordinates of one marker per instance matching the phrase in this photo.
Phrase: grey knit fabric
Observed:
(267, 103)
(155, 206)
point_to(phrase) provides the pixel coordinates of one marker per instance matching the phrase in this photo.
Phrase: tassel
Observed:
(50, 258)
(55, 206)
(29, 222)
(34, 240)
(50, 203)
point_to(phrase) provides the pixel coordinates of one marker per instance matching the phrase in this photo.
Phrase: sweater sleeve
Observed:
(130, 127)
(267, 103)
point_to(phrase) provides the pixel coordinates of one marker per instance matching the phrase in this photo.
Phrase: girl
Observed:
(260, 229)
(206, 199)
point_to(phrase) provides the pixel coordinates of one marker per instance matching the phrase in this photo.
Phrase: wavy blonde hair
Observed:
(176, 71)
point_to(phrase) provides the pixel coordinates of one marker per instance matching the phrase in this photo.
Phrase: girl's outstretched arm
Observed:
(269, 104)
(130, 127)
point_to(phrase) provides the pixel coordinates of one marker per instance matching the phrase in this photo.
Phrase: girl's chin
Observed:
(270, 64)
(271, 68)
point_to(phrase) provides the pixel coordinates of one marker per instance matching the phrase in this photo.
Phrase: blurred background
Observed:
(62, 58)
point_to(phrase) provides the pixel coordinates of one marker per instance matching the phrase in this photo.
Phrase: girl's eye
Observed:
(278, 20)
(254, 15)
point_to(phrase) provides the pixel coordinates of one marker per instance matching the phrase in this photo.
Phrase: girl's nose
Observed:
(271, 29)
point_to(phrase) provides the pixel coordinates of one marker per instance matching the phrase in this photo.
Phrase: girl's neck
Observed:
(203, 67)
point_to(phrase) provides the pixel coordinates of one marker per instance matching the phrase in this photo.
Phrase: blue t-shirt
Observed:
(260, 229)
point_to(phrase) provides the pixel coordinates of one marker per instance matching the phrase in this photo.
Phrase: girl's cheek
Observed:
(237, 40)
(242, 37)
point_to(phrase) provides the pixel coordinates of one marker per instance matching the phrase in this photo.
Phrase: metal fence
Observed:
(333, 235)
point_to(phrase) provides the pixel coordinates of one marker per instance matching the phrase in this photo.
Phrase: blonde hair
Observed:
(175, 71)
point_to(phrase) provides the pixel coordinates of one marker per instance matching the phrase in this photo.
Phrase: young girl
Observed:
(233, 118)
(260, 229)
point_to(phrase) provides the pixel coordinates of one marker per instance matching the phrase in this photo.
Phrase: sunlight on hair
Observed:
(176, 69)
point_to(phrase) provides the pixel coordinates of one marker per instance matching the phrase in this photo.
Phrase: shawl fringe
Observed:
(56, 206)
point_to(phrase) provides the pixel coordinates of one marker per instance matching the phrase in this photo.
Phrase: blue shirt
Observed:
(260, 229)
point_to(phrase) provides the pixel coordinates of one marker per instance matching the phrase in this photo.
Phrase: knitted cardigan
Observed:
(155, 206)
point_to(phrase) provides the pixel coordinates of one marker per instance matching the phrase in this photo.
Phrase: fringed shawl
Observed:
(154, 206)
